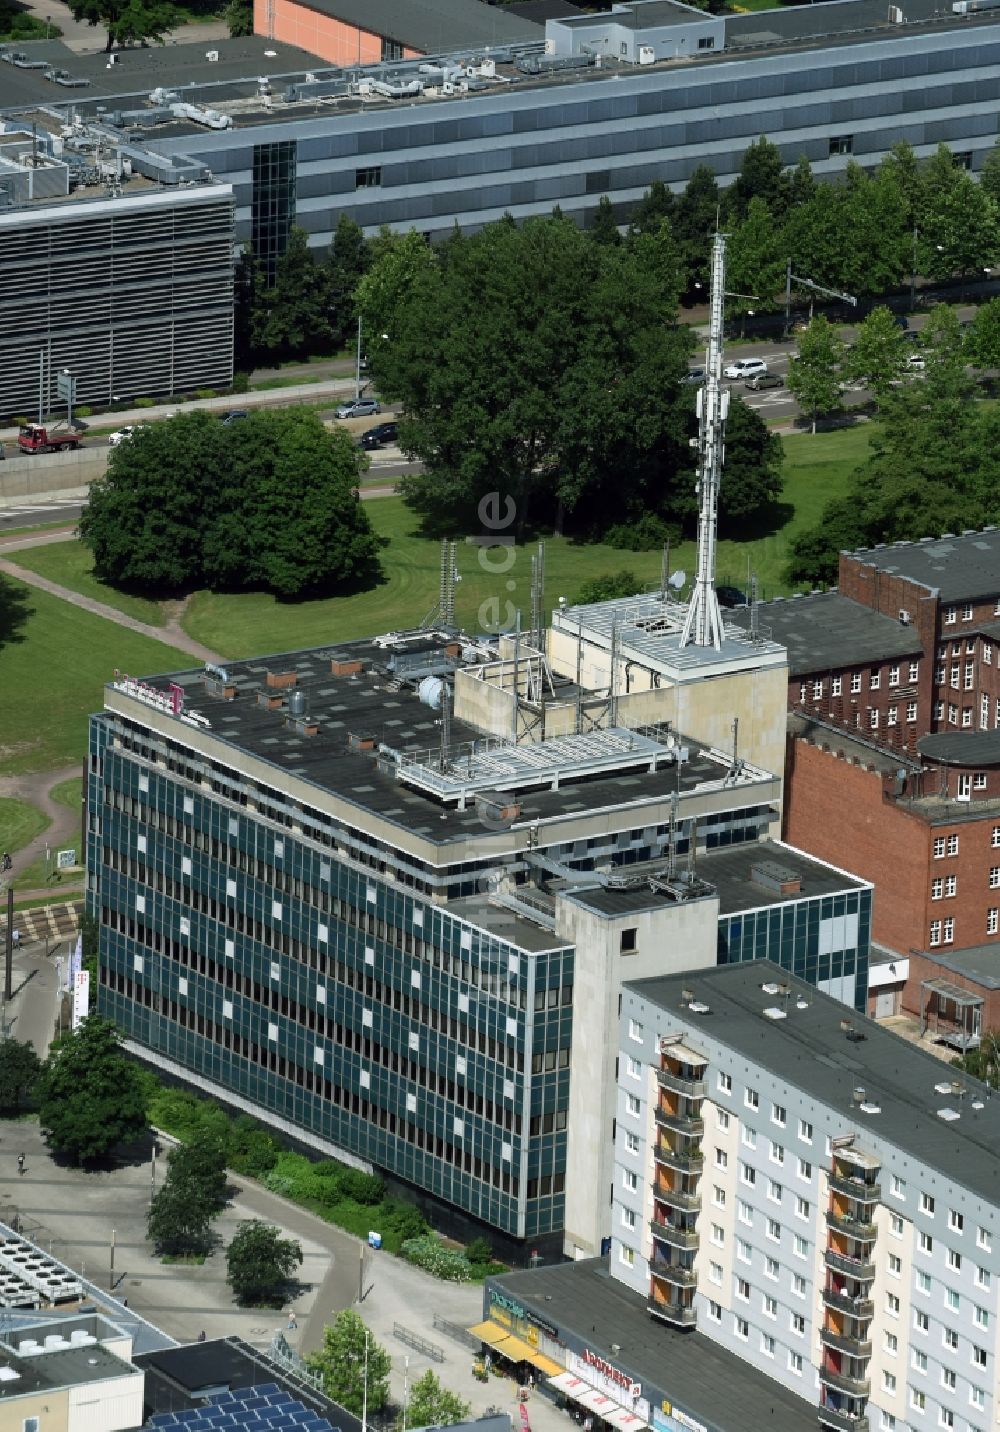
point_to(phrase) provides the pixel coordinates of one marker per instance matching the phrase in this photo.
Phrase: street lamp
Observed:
(814, 288)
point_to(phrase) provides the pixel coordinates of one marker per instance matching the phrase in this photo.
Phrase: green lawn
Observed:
(71, 564)
(19, 823)
(816, 469)
(52, 678)
(68, 793)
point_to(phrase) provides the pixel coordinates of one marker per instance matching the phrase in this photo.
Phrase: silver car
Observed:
(359, 408)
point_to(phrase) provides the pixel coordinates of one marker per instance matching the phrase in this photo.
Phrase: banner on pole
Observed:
(75, 965)
(81, 998)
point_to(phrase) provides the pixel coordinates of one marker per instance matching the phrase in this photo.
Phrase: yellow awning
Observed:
(515, 1348)
(490, 1332)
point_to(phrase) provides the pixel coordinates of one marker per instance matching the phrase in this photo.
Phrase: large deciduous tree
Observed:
(751, 479)
(878, 356)
(348, 1352)
(292, 316)
(269, 502)
(536, 363)
(20, 1067)
(431, 1405)
(90, 1096)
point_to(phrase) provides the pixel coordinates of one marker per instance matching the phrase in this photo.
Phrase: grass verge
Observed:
(68, 793)
(816, 470)
(71, 564)
(20, 822)
(55, 663)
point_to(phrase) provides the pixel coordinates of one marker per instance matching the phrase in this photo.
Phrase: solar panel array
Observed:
(266, 1408)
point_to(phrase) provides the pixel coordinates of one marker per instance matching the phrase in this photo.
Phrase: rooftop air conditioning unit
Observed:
(904, 616)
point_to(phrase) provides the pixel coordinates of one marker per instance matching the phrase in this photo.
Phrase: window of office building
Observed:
(842, 144)
(272, 203)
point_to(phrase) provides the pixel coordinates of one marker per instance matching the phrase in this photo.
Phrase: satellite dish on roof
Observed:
(677, 579)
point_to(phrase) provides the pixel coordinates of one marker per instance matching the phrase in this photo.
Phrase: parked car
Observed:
(359, 408)
(695, 375)
(731, 597)
(235, 416)
(744, 368)
(123, 433)
(901, 323)
(915, 363)
(764, 380)
(378, 435)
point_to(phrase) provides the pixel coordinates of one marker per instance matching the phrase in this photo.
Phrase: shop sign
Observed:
(611, 1373)
(667, 1418)
(504, 1309)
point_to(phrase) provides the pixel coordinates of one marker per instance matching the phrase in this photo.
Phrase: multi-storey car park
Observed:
(335, 889)
(515, 118)
(795, 1190)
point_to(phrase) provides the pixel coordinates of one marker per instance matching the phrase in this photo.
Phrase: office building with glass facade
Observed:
(332, 902)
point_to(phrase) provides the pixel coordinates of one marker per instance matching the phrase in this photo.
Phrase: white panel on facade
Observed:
(231, 889)
(321, 994)
(185, 865)
(140, 844)
(366, 1018)
(227, 1009)
(189, 805)
(323, 933)
(411, 1103)
(185, 925)
(140, 904)
(230, 949)
(459, 1064)
(366, 1079)
(415, 979)
(275, 970)
(279, 849)
(137, 964)
(415, 1041)
(272, 1033)
(318, 1055)
(144, 784)
(276, 910)
(182, 986)
(459, 1127)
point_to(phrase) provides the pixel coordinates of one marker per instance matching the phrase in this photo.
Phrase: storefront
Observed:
(520, 1337)
(605, 1393)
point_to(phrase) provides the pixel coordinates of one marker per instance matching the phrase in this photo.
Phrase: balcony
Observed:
(674, 1313)
(694, 1127)
(676, 1273)
(676, 1237)
(687, 1162)
(681, 1084)
(856, 1188)
(689, 1202)
(846, 1343)
(853, 1267)
(845, 1382)
(855, 1227)
(842, 1421)
(853, 1303)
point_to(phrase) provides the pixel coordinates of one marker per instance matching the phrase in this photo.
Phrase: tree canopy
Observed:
(90, 1096)
(934, 464)
(341, 1362)
(431, 1405)
(269, 502)
(535, 361)
(128, 21)
(20, 1067)
(259, 1263)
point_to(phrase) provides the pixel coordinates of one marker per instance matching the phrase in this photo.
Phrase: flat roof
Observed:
(62, 1367)
(962, 748)
(810, 1050)
(431, 26)
(824, 631)
(233, 85)
(730, 871)
(611, 1319)
(958, 568)
(377, 705)
(979, 963)
(139, 69)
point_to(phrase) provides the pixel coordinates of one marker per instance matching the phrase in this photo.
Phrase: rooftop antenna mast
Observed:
(703, 623)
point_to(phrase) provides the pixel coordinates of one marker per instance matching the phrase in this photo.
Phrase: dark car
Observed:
(764, 380)
(901, 323)
(234, 416)
(379, 434)
(731, 597)
(695, 375)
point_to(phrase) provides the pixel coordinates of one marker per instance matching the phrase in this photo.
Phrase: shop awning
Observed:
(625, 1421)
(503, 1341)
(490, 1332)
(607, 1409)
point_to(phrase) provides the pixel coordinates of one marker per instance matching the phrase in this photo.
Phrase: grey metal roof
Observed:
(730, 871)
(825, 631)
(979, 963)
(962, 748)
(959, 568)
(713, 1385)
(431, 26)
(835, 18)
(810, 1050)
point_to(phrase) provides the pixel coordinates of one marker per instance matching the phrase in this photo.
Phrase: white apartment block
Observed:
(812, 1192)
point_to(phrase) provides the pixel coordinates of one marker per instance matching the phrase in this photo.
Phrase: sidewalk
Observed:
(260, 398)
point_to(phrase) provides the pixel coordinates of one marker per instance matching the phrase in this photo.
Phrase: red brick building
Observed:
(893, 759)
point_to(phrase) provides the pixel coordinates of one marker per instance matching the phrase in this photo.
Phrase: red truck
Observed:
(34, 438)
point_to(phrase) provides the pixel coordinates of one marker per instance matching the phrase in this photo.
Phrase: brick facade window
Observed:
(992, 920)
(949, 616)
(995, 877)
(939, 843)
(914, 671)
(953, 845)
(949, 931)
(935, 936)
(874, 679)
(967, 612)
(856, 683)
(911, 711)
(836, 686)
(937, 888)
(893, 675)
(891, 715)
